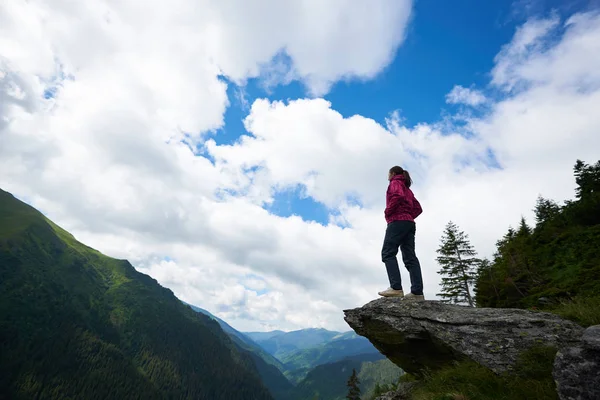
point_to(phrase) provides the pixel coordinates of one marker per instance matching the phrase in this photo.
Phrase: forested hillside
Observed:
(555, 264)
(75, 324)
(269, 368)
(298, 363)
(328, 381)
(319, 362)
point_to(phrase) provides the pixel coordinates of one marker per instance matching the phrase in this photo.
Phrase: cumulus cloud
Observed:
(527, 42)
(462, 95)
(109, 152)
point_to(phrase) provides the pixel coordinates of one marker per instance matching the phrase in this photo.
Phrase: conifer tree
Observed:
(545, 210)
(524, 229)
(353, 389)
(459, 264)
(587, 178)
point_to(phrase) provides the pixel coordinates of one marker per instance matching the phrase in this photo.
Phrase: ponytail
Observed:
(407, 178)
(396, 170)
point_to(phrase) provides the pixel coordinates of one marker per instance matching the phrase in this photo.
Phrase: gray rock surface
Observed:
(390, 396)
(577, 368)
(401, 393)
(431, 334)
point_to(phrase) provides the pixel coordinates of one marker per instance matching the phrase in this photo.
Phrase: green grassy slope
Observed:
(75, 324)
(328, 381)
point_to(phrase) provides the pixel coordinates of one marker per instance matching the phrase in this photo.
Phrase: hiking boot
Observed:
(389, 292)
(414, 297)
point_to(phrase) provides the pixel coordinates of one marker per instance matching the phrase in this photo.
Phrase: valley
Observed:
(316, 362)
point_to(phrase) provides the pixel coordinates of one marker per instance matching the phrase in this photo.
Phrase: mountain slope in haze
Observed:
(340, 347)
(77, 324)
(263, 336)
(302, 350)
(280, 344)
(241, 339)
(267, 366)
(328, 381)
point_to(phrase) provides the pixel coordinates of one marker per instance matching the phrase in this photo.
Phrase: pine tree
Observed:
(458, 262)
(486, 285)
(353, 389)
(524, 229)
(545, 210)
(587, 178)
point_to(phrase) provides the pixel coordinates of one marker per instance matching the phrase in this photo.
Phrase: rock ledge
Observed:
(428, 335)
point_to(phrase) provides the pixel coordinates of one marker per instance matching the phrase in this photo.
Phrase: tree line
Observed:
(556, 259)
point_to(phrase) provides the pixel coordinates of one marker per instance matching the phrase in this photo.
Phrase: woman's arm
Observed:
(395, 195)
(417, 209)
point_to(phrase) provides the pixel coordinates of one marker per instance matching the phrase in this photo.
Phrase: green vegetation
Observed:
(554, 266)
(298, 363)
(353, 389)
(75, 324)
(458, 262)
(378, 377)
(583, 310)
(328, 381)
(470, 381)
(242, 340)
(268, 367)
(378, 390)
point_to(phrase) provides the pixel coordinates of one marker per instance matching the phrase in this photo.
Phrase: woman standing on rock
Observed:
(401, 209)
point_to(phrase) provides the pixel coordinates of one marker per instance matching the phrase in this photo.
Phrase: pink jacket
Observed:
(400, 202)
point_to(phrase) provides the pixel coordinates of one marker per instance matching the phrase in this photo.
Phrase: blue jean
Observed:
(401, 234)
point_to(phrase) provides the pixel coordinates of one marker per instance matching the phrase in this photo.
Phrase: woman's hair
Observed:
(396, 170)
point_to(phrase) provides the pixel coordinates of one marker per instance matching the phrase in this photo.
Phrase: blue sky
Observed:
(447, 44)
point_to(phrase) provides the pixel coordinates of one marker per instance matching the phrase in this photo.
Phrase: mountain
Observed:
(242, 340)
(339, 347)
(281, 344)
(269, 368)
(77, 324)
(328, 381)
(302, 350)
(263, 336)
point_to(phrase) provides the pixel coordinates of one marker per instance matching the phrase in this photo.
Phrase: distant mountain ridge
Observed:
(281, 344)
(340, 347)
(304, 349)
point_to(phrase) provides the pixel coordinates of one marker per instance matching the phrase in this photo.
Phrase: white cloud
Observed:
(462, 95)
(104, 160)
(527, 42)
